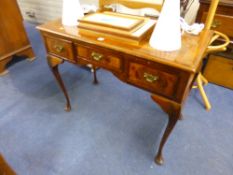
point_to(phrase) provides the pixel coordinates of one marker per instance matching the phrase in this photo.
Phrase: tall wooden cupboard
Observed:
(13, 37)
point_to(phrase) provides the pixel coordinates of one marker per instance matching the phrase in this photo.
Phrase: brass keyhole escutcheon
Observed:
(96, 56)
(150, 78)
(215, 24)
(59, 48)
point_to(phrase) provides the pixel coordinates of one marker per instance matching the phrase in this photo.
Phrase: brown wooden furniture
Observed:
(123, 27)
(13, 38)
(223, 19)
(5, 169)
(219, 69)
(168, 76)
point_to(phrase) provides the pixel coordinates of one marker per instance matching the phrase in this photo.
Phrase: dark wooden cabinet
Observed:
(13, 38)
(219, 68)
(223, 19)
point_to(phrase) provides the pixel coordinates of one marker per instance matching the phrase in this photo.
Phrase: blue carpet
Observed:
(113, 128)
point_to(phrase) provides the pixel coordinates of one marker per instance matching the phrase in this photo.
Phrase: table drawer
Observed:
(60, 47)
(153, 79)
(101, 57)
(222, 23)
(219, 70)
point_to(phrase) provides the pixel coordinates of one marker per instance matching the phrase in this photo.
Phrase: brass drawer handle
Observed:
(59, 48)
(96, 56)
(150, 78)
(216, 24)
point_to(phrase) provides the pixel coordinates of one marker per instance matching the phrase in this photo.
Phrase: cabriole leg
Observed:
(174, 111)
(53, 63)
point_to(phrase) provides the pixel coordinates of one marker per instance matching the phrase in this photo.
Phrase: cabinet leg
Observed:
(53, 63)
(3, 63)
(29, 53)
(174, 112)
(25, 51)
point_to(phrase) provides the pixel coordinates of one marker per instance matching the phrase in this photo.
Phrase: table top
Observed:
(187, 58)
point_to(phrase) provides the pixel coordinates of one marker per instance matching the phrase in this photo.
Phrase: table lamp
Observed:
(71, 12)
(167, 32)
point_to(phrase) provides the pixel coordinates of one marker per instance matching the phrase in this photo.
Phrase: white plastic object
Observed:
(167, 32)
(71, 12)
(193, 29)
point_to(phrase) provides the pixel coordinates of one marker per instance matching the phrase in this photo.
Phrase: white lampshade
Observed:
(71, 12)
(167, 34)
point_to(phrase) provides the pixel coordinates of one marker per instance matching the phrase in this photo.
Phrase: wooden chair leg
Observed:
(199, 81)
(203, 79)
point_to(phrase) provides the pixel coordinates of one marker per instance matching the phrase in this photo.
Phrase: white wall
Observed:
(45, 10)
(192, 12)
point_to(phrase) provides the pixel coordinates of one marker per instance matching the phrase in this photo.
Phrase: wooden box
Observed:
(219, 70)
(121, 27)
